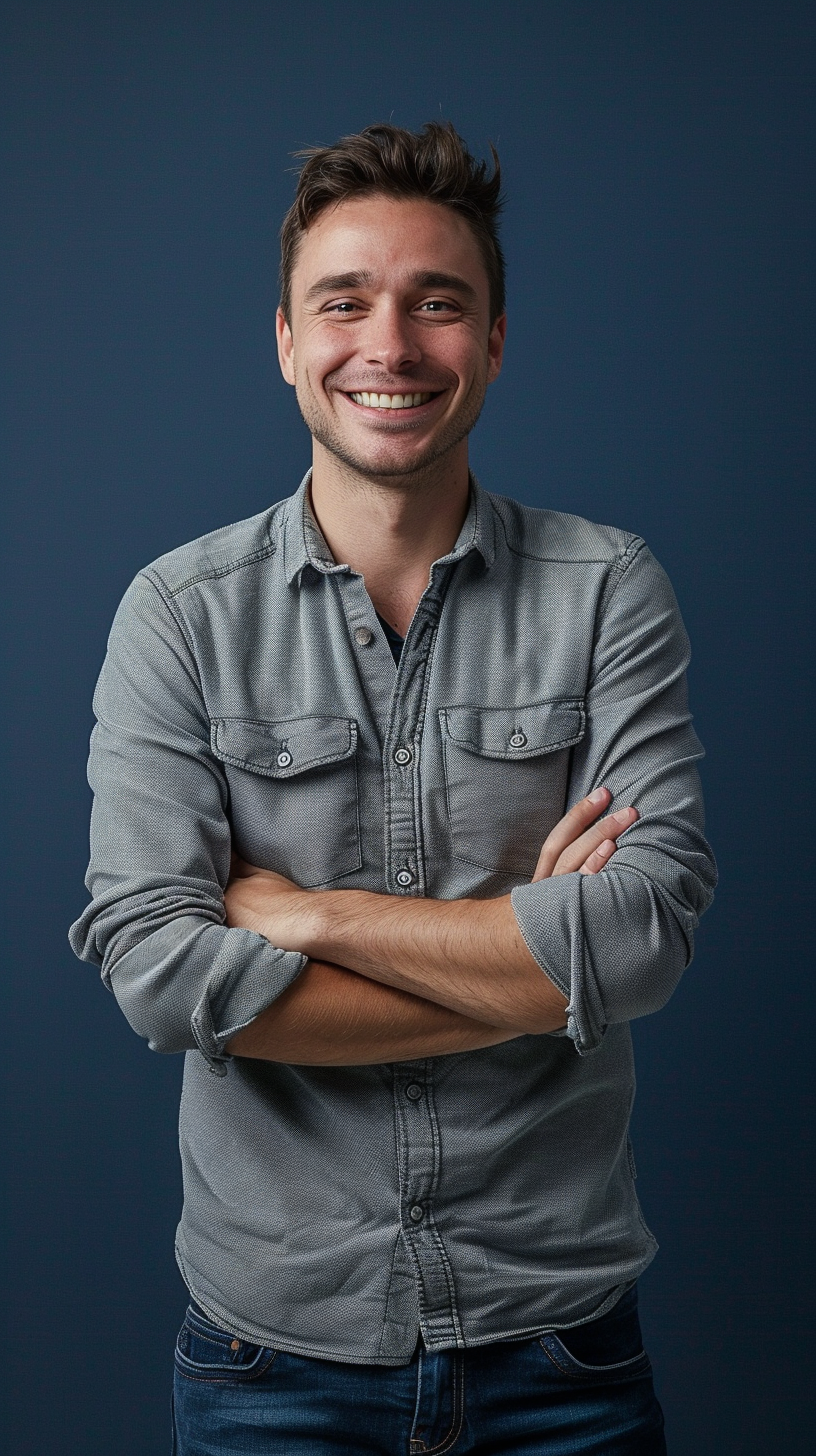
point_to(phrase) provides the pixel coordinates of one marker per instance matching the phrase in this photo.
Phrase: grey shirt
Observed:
(249, 698)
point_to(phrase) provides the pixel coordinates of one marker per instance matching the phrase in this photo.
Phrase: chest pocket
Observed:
(293, 794)
(506, 773)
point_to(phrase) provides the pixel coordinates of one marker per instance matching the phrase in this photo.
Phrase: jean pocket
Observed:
(206, 1352)
(606, 1349)
(611, 1372)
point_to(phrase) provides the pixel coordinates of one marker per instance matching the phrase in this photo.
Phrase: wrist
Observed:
(317, 916)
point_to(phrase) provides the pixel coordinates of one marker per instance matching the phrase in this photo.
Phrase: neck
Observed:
(391, 529)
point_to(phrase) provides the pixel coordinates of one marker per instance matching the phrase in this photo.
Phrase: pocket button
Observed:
(518, 740)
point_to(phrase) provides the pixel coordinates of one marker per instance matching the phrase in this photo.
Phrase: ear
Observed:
(286, 348)
(495, 347)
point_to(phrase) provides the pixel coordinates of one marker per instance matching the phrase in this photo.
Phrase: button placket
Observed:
(405, 873)
(418, 1146)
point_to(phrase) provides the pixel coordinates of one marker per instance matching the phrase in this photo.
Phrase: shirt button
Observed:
(519, 740)
(403, 756)
(283, 759)
(417, 1213)
(363, 636)
(414, 1091)
(405, 878)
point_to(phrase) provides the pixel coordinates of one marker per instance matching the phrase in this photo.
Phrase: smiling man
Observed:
(361, 771)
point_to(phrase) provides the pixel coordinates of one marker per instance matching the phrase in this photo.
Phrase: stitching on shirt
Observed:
(432, 1191)
(161, 590)
(617, 571)
(565, 560)
(419, 826)
(526, 754)
(214, 572)
(396, 1241)
(268, 771)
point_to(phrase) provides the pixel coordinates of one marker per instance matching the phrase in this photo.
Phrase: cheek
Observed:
(323, 353)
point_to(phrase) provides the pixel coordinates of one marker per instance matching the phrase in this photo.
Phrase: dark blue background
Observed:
(657, 232)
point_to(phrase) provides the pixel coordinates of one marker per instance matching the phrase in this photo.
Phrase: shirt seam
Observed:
(611, 561)
(213, 573)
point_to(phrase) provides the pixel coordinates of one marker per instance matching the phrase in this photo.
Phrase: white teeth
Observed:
(390, 401)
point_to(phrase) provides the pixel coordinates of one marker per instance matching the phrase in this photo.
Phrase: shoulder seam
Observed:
(217, 571)
(163, 593)
(614, 563)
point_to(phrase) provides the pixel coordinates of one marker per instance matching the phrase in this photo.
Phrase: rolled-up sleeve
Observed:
(616, 943)
(161, 845)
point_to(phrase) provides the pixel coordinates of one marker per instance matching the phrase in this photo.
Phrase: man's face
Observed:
(390, 298)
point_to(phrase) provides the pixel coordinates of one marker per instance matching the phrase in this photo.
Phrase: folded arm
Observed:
(434, 976)
(331, 1017)
(612, 946)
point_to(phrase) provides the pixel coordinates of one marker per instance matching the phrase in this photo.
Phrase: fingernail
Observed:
(598, 796)
(605, 847)
(622, 816)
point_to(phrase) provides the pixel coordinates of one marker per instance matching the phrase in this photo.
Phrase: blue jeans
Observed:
(584, 1390)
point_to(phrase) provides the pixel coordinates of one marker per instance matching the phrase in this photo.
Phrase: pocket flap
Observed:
(514, 733)
(285, 748)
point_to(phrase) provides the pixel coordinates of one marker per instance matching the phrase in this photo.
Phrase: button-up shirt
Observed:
(249, 700)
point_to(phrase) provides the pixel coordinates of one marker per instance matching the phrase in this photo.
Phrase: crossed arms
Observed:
(391, 979)
(348, 976)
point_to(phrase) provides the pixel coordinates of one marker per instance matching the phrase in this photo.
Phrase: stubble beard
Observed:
(457, 429)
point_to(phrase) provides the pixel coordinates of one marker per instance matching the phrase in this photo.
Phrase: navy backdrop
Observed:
(659, 361)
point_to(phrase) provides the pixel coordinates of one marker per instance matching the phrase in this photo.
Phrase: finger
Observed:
(569, 829)
(598, 858)
(575, 855)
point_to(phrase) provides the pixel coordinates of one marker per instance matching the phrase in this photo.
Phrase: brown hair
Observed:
(433, 164)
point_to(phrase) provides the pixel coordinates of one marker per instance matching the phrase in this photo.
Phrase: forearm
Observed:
(330, 1016)
(466, 955)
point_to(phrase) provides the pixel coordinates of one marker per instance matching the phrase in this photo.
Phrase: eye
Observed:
(438, 305)
(344, 307)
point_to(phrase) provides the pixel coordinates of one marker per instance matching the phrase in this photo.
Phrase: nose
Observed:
(390, 342)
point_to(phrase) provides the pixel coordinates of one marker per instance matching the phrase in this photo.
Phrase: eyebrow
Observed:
(340, 282)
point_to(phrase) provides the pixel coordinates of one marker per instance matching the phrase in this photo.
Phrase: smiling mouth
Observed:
(392, 401)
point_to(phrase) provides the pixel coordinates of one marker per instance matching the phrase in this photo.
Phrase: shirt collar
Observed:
(304, 545)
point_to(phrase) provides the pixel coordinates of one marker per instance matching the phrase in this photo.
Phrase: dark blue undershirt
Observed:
(395, 642)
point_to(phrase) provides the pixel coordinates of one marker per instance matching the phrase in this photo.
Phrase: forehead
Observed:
(391, 239)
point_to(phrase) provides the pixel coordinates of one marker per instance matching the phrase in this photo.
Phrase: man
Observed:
(331, 742)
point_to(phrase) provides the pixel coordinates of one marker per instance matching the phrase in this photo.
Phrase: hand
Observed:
(576, 843)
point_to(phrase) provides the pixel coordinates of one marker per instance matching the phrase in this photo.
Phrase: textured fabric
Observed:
(540, 1397)
(249, 698)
